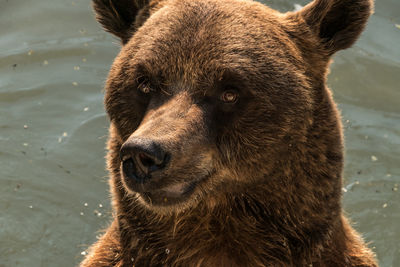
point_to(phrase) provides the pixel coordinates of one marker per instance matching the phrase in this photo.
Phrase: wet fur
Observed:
(271, 195)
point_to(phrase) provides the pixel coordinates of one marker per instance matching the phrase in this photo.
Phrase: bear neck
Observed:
(231, 229)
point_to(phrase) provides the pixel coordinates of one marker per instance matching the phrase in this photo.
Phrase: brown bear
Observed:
(225, 145)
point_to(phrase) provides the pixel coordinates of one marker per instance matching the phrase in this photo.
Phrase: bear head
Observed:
(210, 98)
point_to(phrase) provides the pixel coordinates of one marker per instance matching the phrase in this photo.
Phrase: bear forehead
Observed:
(200, 37)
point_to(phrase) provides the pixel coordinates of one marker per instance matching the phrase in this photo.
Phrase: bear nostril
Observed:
(145, 162)
(128, 167)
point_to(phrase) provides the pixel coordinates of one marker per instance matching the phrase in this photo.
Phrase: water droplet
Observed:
(97, 213)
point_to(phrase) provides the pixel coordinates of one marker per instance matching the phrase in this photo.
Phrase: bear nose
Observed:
(140, 157)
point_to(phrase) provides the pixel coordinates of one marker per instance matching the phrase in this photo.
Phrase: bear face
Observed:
(212, 96)
(204, 98)
(224, 135)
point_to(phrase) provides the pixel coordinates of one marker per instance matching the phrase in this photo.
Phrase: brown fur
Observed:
(260, 178)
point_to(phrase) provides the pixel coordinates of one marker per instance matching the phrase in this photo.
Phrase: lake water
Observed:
(54, 198)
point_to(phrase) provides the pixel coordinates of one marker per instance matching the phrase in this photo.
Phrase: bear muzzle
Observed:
(166, 158)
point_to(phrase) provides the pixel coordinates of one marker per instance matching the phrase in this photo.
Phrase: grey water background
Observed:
(54, 197)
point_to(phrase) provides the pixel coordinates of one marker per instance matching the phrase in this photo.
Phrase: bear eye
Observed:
(143, 85)
(229, 96)
(144, 88)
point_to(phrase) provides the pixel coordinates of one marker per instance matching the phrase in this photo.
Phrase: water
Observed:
(53, 62)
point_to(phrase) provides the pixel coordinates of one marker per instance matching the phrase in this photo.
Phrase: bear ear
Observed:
(338, 23)
(119, 17)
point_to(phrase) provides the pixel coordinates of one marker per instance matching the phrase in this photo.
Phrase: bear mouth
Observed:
(170, 195)
(167, 195)
(158, 191)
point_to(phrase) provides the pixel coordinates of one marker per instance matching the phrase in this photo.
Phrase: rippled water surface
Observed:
(54, 59)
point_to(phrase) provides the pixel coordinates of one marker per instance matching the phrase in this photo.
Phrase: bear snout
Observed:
(141, 157)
